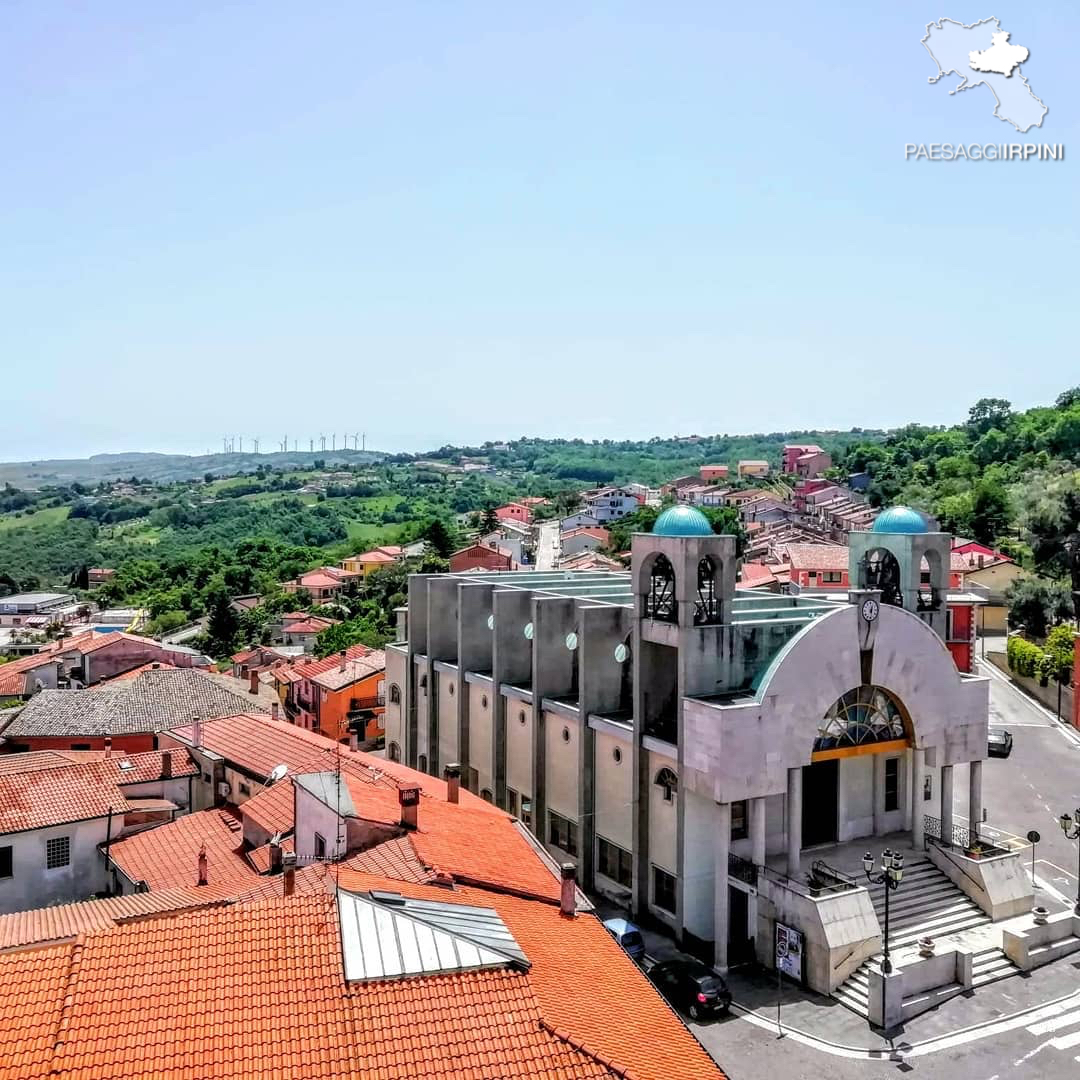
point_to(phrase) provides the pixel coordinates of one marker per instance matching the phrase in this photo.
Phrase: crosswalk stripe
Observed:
(1065, 1042)
(1058, 1022)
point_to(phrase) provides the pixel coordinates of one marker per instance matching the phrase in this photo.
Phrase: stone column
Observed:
(757, 856)
(879, 793)
(917, 830)
(946, 803)
(794, 820)
(975, 806)
(721, 900)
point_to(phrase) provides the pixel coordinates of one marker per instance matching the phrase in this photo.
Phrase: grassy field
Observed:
(50, 516)
(370, 536)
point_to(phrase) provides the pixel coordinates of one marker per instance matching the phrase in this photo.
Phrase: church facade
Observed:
(685, 742)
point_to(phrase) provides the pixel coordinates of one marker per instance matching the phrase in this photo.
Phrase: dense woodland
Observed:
(183, 547)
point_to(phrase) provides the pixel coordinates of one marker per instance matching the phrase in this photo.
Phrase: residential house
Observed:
(57, 813)
(484, 555)
(375, 559)
(508, 964)
(579, 520)
(610, 504)
(128, 713)
(300, 630)
(99, 575)
(25, 676)
(323, 583)
(751, 468)
(94, 655)
(515, 511)
(805, 459)
(714, 474)
(982, 569)
(585, 538)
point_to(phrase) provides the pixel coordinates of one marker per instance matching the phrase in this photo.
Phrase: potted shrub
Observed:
(926, 947)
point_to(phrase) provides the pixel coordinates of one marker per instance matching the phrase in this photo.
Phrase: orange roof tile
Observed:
(69, 792)
(817, 556)
(33, 986)
(167, 857)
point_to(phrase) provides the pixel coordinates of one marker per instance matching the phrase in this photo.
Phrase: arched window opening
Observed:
(880, 570)
(421, 762)
(660, 599)
(395, 752)
(865, 715)
(930, 582)
(669, 782)
(707, 605)
(395, 694)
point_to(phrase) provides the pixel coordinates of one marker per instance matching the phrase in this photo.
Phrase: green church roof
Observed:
(900, 519)
(682, 521)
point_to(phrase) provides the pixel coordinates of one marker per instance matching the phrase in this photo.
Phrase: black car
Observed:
(1000, 743)
(691, 988)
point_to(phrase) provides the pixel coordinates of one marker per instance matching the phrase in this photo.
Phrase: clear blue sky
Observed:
(450, 222)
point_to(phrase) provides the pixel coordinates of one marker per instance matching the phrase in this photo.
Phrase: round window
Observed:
(528, 631)
(521, 716)
(571, 641)
(491, 622)
(565, 734)
(622, 653)
(617, 755)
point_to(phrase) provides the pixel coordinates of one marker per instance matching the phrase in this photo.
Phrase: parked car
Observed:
(628, 936)
(692, 988)
(1000, 743)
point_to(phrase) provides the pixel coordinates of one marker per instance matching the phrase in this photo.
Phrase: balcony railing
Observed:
(367, 704)
(962, 839)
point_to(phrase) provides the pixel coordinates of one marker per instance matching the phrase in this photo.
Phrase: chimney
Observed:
(253, 681)
(409, 800)
(344, 662)
(166, 764)
(288, 862)
(274, 711)
(453, 782)
(155, 665)
(354, 741)
(108, 747)
(275, 857)
(196, 732)
(568, 896)
(203, 879)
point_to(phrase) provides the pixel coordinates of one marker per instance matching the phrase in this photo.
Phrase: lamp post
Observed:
(890, 875)
(1070, 826)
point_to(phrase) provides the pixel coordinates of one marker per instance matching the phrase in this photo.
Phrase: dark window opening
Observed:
(7, 861)
(615, 862)
(740, 828)
(664, 890)
(660, 599)
(320, 846)
(892, 784)
(562, 833)
(667, 780)
(707, 605)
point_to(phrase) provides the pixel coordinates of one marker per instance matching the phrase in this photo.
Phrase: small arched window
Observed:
(421, 762)
(669, 782)
(706, 605)
(660, 599)
(395, 752)
(486, 795)
(395, 694)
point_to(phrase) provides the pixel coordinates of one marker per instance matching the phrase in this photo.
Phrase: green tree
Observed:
(490, 522)
(1036, 604)
(439, 535)
(988, 413)
(991, 509)
(1067, 398)
(1050, 514)
(222, 626)
(725, 520)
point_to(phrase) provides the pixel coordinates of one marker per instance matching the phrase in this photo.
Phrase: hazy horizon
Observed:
(451, 225)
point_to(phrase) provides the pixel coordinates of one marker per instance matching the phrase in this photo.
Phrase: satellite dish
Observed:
(277, 773)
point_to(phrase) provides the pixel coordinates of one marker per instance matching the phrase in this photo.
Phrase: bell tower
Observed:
(906, 562)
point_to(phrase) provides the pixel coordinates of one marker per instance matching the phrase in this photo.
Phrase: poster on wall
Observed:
(789, 951)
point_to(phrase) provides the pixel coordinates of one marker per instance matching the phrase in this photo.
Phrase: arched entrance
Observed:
(865, 720)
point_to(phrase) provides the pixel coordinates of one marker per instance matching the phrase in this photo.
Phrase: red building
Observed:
(480, 557)
(515, 512)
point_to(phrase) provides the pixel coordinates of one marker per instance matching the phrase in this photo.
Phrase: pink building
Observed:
(805, 459)
(515, 511)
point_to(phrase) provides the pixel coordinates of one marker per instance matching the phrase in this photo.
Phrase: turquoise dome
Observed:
(682, 521)
(900, 519)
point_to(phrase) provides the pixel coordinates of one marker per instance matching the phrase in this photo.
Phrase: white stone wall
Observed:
(613, 790)
(396, 669)
(561, 781)
(31, 885)
(481, 704)
(663, 817)
(314, 816)
(699, 862)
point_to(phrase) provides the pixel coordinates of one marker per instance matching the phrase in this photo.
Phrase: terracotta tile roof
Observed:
(271, 810)
(314, 625)
(375, 556)
(150, 702)
(260, 857)
(356, 669)
(243, 657)
(53, 924)
(754, 574)
(37, 760)
(317, 667)
(167, 857)
(33, 987)
(816, 556)
(964, 562)
(227, 989)
(75, 793)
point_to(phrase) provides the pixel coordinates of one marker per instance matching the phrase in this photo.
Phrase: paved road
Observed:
(547, 545)
(1028, 790)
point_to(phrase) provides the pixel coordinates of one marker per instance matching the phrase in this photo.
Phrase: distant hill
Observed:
(166, 468)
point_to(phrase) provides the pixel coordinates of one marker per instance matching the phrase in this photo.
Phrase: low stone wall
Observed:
(1045, 695)
(1037, 945)
(916, 985)
(999, 884)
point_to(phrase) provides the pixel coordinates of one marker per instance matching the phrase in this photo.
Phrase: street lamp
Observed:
(1071, 828)
(891, 874)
